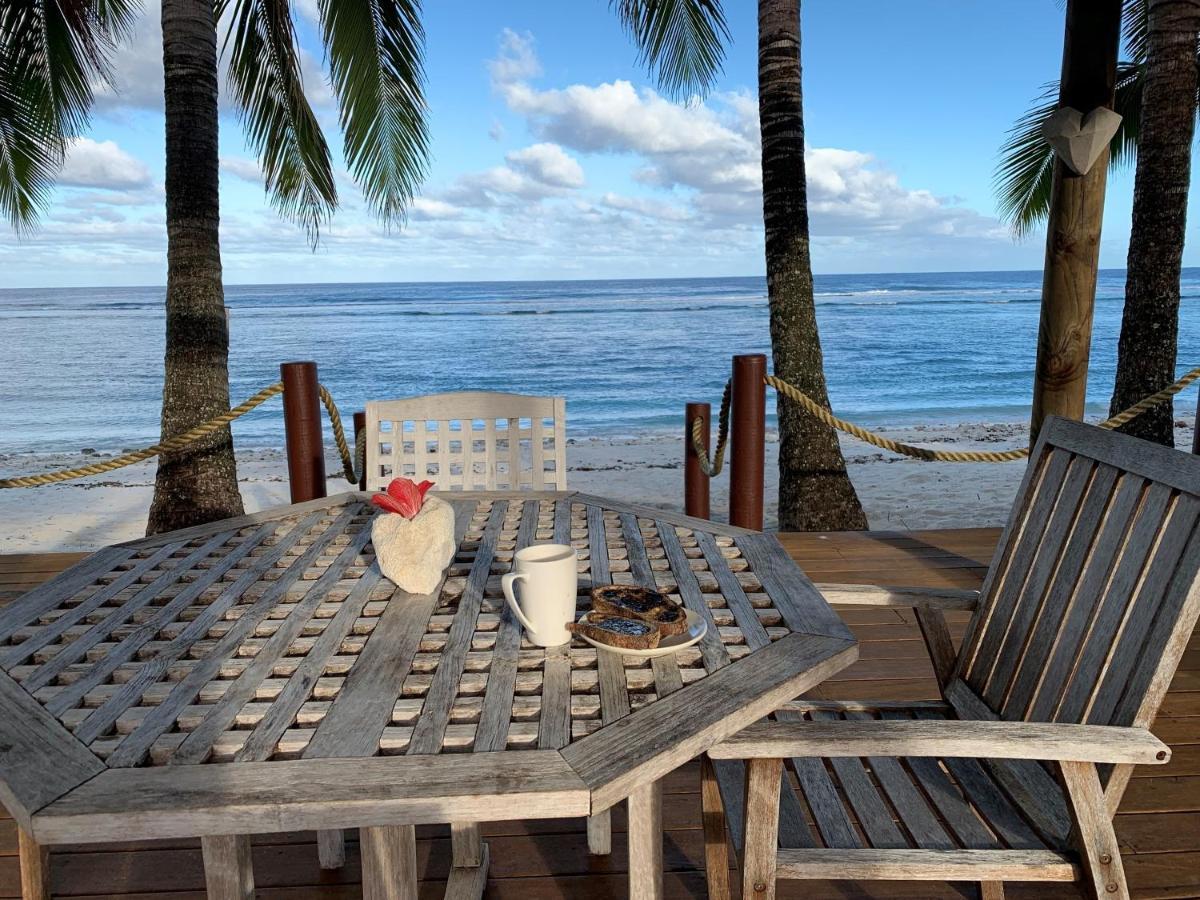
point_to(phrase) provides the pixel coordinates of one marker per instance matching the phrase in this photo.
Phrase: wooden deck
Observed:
(1159, 822)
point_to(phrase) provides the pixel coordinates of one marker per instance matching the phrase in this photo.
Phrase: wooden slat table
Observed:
(259, 675)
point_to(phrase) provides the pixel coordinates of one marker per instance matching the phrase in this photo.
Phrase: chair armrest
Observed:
(914, 597)
(945, 737)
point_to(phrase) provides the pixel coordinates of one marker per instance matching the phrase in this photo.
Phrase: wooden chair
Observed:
(1079, 628)
(464, 441)
(470, 440)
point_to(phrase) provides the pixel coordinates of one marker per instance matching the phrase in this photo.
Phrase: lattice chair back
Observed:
(469, 441)
(1094, 590)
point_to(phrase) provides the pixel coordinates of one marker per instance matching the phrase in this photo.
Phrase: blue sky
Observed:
(553, 156)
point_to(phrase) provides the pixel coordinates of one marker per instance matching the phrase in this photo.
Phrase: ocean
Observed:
(82, 368)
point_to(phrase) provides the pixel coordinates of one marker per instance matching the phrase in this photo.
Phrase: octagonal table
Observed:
(260, 675)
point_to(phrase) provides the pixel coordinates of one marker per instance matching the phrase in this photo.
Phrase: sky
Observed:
(554, 157)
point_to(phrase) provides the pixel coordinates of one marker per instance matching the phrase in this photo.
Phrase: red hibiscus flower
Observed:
(403, 497)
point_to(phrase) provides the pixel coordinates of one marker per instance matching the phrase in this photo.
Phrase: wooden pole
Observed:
(747, 446)
(360, 425)
(302, 429)
(695, 482)
(1196, 429)
(1089, 70)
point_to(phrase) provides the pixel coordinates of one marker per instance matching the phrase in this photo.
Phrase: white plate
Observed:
(697, 627)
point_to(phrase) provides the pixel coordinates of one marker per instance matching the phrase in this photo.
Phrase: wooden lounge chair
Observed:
(1075, 637)
(470, 440)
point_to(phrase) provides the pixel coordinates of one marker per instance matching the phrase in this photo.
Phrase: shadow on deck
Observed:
(1159, 821)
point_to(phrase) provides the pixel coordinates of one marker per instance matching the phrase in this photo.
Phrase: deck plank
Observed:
(1158, 824)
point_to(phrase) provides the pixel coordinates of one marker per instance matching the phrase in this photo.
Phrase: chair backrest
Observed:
(470, 440)
(1094, 590)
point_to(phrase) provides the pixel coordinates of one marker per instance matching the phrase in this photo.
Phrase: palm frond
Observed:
(281, 128)
(375, 50)
(681, 42)
(52, 52)
(1025, 173)
(1135, 29)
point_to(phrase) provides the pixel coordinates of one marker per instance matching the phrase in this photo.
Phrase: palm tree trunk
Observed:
(199, 484)
(1150, 324)
(815, 493)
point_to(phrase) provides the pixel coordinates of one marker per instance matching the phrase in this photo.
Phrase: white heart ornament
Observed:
(1078, 139)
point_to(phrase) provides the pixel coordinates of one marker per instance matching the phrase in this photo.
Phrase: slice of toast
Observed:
(640, 603)
(617, 631)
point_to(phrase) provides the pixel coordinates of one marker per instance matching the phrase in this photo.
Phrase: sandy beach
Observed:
(898, 493)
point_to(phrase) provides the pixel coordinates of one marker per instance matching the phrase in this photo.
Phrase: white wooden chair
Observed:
(1080, 626)
(462, 441)
(469, 440)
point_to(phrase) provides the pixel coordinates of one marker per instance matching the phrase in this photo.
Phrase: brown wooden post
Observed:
(695, 482)
(1093, 31)
(747, 442)
(1196, 429)
(302, 429)
(360, 425)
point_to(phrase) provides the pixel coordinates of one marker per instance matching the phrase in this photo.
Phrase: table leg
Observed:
(599, 833)
(466, 844)
(35, 867)
(228, 870)
(331, 848)
(646, 842)
(389, 862)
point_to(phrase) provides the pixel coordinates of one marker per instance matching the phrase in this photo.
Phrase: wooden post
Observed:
(360, 425)
(1196, 428)
(228, 869)
(695, 482)
(302, 429)
(747, 442)
(1093, 31)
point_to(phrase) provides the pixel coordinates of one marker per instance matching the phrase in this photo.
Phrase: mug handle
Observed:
(506, 583)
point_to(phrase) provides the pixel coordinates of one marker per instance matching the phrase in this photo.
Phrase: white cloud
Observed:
(102, 164)
(549, 164)
(242, 169)
(516, 60)
(425, 209)
(711, 152)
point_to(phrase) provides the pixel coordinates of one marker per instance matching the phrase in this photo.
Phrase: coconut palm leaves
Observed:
(264, 78)
(52, 52)
(374, 50)
(375, 61)
(1026, 166)
(680, 41)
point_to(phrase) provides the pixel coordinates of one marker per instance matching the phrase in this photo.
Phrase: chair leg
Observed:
(228, 870)
(716, 841)
(331, 848)
(1093, 831)
(35, 867)
(991, 890)
(761, 854)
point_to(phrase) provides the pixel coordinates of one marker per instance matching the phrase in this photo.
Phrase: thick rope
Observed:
(339, 437)
(922, 453)
(181, 441)
(713, 469)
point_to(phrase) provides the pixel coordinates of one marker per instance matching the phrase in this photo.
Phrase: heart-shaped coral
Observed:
(404, 497)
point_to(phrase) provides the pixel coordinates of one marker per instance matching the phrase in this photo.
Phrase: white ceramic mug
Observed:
(549, 583)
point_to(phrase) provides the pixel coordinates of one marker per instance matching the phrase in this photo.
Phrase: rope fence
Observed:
(353, 462)
(202, 430)
(713, 468)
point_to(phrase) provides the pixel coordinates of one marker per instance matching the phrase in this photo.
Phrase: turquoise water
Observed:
(83, 367)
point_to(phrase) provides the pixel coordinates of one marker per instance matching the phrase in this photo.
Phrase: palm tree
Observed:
(815, 493)
(51, 55)
(1147, 348)
(374, 49)
(1157, 97)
